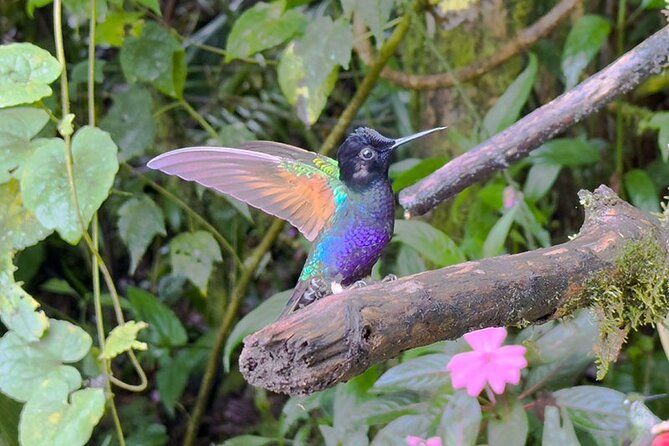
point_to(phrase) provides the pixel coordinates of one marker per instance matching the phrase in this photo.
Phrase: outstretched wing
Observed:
(291, 183)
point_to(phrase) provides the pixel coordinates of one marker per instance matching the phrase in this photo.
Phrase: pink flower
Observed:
(417, 441)
(489, 363)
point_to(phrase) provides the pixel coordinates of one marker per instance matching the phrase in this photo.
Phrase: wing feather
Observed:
(282, 180)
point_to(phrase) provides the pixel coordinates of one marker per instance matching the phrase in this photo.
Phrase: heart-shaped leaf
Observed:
(19, 228)
(26, 71)
(140, 220)
(17, 127)
(45, 186)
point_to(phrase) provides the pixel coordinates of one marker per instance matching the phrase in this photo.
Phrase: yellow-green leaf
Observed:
(26, 71)
(18, 226)
(123, 338)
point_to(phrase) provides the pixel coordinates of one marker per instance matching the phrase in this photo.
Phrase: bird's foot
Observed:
(359, 284)
(389, 278)
(318, 288)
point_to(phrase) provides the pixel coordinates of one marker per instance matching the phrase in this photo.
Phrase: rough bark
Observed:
(342, 335)
(648, 58)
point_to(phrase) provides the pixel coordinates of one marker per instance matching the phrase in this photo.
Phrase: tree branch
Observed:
(522, 41)
(516, 142)
(341, 335)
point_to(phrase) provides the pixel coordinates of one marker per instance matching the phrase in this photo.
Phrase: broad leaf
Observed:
(261, 316)
(308, 67)
(153, 5)
(425, 373)
(660, 121)
(641, 190)
(408, 262)
(123, 338)
(17, 308)
(130, 122)
(385, 408)
(374, 13)
(585, 39)
(642, 420)
(118, 25)
(52, 418)
(556, 433)
(165, 329)
(509, 427)
(249, 440)
(566, 152)
(154, 434)
(193, 255)
(156, 57)
(140, 220)
(430, 242)
(507, 108)
(494, 243)
(18, 226)
(17, 127)
(172, 378)
(263, 26)
(540, 179)
(598, 410)
(396, 432)
(26, 366)
(417, 172)
(45, 186)
(26, 71)
(461, 420)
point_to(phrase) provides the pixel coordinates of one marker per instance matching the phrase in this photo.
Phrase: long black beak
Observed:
(406, 139)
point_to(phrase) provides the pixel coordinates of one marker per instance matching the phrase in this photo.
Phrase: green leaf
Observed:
(263, 26)
(494, 243)
(156, 57)
(566, 152)
(417, 172)
(140, 220)
(374, 13)
(461, 420)
(130, 122)
(663, 331)
(660, 121)
(641, 190)
(540, 179)
(165, 329)
(507, 108)
(45, 186)
(425, 373)
(308, 67)
(193, 255)
(555, 434)
(9, 421)
(642, 420)
(408, 262)
(510, 428)
(584, 40)
(26, 367)
(50, 419)
(17, 127)
(396, 432)
(118, 25)
(249, 440)
(154, 434)
(598, 410)
(261, 316)
(153, 5)
(172, 378)
(123, 338)
(32, 4)
(430, 242)
(26, 71)
(385, 408)
(19, 228)
(17, 308)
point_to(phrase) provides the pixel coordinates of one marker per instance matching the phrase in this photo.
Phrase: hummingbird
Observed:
(345, 207)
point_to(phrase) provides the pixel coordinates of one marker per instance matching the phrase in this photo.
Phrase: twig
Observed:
(329, 144)
(340, 336)
(631, 69)
(523, 40)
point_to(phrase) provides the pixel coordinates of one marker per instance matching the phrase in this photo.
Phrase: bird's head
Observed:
(364, 157)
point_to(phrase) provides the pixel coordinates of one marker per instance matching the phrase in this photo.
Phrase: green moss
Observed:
(635, 294)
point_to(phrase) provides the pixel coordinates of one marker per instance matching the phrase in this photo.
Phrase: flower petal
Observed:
(475, 383)
(433, 441)
(487, 339)
(465, 361)
(412, 440)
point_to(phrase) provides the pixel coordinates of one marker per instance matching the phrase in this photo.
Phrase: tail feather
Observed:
(295, 299)
(305, 293)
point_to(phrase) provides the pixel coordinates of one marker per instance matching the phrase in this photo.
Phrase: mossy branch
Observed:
(340, 336)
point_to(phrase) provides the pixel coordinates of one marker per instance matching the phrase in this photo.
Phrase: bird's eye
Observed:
(367, 154)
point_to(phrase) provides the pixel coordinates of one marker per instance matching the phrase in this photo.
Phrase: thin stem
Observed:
(223, 330)
(273, 232)
(190, 211)
(69, 164)
(620, 125)
(199, 118)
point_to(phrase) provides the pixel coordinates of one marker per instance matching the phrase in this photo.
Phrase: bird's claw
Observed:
(359, 284)
(389, 278)
(318, 289)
